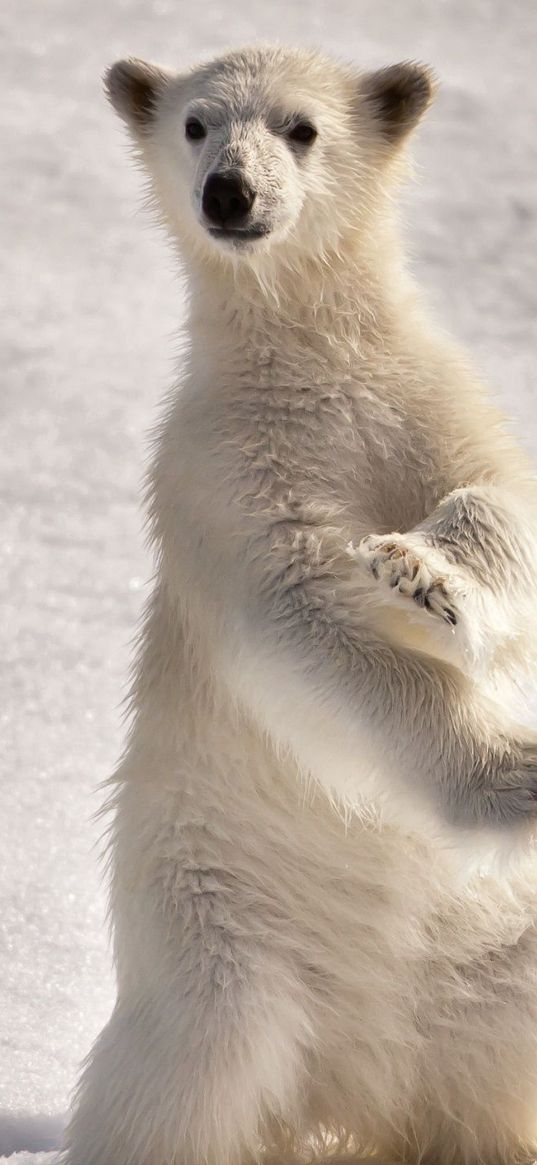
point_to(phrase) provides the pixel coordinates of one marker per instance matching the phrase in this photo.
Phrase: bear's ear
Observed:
(134, 88)
(398, 96)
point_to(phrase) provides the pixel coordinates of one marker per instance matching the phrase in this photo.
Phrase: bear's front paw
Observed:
(396, 564)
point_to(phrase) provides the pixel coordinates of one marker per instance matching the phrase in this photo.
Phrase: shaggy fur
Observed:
(318, 948)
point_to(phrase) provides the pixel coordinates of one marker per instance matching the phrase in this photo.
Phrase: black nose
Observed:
(227, 199)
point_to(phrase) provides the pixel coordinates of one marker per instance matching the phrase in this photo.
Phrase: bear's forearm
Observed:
(363, 719)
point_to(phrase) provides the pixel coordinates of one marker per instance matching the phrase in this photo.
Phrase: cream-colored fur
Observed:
(323, 876)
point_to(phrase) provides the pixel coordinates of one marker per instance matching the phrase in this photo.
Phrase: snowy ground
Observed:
(90, 305)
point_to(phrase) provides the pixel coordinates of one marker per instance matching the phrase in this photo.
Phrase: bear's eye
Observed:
(194, 129)
(302, 132)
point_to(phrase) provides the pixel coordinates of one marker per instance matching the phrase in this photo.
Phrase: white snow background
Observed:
(90, 307)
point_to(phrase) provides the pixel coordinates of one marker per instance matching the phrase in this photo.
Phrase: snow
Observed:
(29, 1159)
(30, 1131)
(90, 308)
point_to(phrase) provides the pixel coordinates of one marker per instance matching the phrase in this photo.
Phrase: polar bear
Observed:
(310, 962)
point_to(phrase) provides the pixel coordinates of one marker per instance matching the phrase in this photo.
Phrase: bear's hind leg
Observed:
(168, 1085)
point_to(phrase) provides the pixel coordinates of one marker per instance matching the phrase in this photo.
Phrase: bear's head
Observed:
(266, 146)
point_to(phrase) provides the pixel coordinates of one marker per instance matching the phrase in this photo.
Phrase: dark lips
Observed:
(237, 236)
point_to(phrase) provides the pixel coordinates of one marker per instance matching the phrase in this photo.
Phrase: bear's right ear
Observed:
(398, 97)
(134, 88)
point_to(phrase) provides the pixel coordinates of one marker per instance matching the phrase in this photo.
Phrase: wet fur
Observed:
(318, 950)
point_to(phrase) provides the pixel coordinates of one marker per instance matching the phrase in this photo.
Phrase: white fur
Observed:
(309, 961)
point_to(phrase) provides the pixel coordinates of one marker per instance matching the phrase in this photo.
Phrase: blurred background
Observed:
(90, 308)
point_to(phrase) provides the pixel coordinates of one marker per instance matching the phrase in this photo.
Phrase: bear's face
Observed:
(244, 158)
(266, 145)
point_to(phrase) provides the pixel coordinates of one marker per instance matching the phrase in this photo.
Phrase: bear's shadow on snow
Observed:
(26, 1131)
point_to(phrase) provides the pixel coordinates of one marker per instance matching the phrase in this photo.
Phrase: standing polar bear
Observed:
(308, 962)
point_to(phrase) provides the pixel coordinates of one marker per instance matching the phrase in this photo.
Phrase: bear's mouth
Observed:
(238, 235)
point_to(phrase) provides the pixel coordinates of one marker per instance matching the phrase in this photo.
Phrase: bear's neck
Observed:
(303, 321)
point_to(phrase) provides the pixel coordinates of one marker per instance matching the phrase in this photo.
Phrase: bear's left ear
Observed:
(134, 88)
(398, 97)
